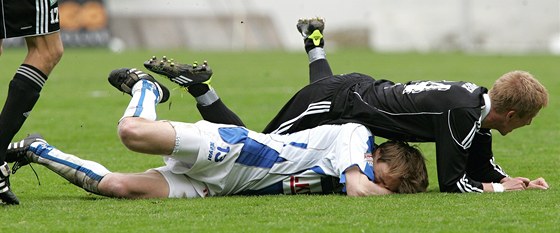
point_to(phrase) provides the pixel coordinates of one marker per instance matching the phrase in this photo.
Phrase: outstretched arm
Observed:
(358, 184)
(516, 184)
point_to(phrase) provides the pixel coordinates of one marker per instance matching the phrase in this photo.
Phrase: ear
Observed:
(510, 114)
(375, 156)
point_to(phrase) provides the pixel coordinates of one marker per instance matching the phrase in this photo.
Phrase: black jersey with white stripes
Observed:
(445, 112)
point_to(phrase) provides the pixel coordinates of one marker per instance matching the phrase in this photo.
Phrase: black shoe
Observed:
(6, 195)
(17, 151)
(308, 26)
(183, 74)
(312, 32)
(124, 79)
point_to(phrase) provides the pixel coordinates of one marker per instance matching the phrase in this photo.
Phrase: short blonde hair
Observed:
(406, 163)
(519, 91)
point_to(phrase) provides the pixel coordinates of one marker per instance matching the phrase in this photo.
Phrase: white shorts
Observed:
(180, 185)
(192, 144)
(188, 141)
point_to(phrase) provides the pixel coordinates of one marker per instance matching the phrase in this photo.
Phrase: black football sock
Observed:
(218, 112)
(318, 67)
(23, 93)
(211, 107)
(198, 89)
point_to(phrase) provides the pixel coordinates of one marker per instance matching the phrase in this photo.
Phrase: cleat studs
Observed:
(154, 58)
(164, 58)
(172, 64)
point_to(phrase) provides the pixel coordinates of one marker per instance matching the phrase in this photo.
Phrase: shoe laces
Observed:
(18, 164)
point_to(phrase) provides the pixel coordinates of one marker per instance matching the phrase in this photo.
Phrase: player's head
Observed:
(400, 167)
(518, 97)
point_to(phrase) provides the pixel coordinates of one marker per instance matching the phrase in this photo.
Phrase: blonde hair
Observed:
(407, 163)
(519, 91)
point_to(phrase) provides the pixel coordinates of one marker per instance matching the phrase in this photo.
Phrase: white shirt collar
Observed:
(487, 106)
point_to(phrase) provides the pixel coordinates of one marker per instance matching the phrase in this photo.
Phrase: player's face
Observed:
(512, 121)
(384, 179)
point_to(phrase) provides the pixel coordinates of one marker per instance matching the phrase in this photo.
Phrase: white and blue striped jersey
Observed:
(234, 160)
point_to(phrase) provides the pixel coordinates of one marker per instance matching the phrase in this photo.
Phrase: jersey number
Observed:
(54, 15)
(221, 154)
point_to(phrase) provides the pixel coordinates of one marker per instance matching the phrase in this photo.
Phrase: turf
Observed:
(78, 112)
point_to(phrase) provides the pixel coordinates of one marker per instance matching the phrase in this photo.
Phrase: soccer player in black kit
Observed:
(457, 116)
(37, 21)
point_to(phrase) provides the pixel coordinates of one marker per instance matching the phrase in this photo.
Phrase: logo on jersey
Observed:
(216, 153)
(368, 157)
(302, 185)
(418, 87)
(470, 87)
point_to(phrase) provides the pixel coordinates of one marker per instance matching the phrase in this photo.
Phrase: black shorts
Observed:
(22, 18)
(312, 105)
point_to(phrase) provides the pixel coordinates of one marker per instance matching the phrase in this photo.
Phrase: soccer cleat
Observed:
(17, 151)
(312, 29)
(6, 195)
(183, 74)
(124, 79)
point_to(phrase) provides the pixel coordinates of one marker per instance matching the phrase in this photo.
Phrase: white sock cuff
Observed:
(316, 54)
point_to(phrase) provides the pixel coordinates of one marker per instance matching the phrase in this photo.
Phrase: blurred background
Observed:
(477, 26)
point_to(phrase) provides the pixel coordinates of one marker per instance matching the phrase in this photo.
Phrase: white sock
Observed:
(80, 172)
(316, 54)
(207, 98)
(144, 101)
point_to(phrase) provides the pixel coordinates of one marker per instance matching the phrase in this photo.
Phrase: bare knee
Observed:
(130, 132)
(44, 52)
(116, 185)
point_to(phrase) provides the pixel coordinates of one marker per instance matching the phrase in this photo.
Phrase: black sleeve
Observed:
(481, 164)
(454, 136)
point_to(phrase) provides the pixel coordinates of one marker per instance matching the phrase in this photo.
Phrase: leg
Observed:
(196, 79)
(89, 175)
(147, 136)
(150, 184)
(312, 32)
(44, 52)
(138, 129)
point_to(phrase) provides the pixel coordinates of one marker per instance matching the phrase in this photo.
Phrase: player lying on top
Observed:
(207, 159)
(457, 116)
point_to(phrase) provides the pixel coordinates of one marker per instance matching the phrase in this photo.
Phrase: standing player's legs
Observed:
(196, 79)
(312, 33)
(37, 21)
(44, 52)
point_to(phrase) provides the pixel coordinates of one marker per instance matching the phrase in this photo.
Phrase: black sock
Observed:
(319, 69)
(218, 112)
(198, 89)
(23, 93)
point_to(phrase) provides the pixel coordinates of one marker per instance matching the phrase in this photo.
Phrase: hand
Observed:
(514, 184)
(539, 183)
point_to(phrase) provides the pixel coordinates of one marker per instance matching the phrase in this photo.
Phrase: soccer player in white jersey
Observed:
(207, 159)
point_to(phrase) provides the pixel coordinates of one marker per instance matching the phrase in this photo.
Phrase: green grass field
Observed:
(78, 112)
